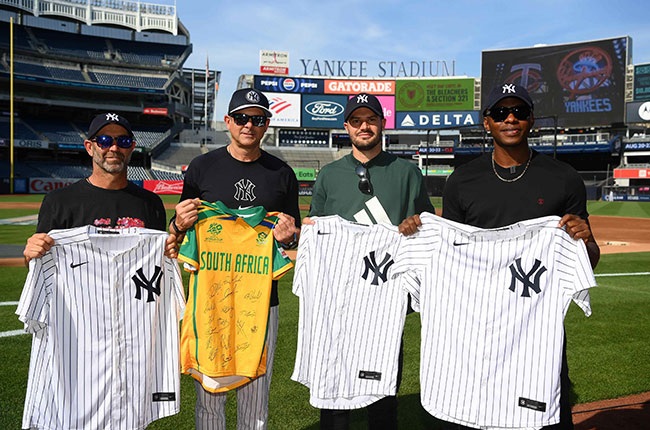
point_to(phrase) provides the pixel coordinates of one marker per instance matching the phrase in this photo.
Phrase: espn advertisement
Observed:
(582, 83)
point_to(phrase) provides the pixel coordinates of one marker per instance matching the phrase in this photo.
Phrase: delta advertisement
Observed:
(582, 83)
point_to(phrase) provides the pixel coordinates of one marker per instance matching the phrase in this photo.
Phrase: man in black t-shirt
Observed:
(104, 199)
(516, 183)
(242, 175)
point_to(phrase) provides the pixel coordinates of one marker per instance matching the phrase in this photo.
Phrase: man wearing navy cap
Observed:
(106, 198)
(515, 183)
(368, 186)
(242, 175)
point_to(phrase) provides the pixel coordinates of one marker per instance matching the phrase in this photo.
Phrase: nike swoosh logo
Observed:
(323, 232)
(72, 265)
(460, 243)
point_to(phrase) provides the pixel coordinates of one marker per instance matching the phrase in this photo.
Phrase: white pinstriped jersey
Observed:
(351, 312)
(104, 311)
(492, 306)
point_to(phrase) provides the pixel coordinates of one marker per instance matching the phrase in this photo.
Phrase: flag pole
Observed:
(11, 105)
(205, 102)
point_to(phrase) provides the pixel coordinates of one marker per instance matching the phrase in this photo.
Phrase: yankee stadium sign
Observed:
(382, 69)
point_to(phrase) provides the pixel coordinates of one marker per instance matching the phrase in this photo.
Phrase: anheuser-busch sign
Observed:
(164, 187)
(45, 185)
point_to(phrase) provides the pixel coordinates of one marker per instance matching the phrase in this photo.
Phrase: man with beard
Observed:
(104, 199)
(368, 186)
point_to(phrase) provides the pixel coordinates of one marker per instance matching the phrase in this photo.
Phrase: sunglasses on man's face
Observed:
(500, 113)
(364, 179)
(105, 141)
(242, 119)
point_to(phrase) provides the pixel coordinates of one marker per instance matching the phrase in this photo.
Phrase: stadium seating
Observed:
(65, 44)
(164, 175)
(137, 173)
(21, 131)
(125, 80)
(57, 131)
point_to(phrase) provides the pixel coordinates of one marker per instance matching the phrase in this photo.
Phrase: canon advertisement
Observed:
(582, 83)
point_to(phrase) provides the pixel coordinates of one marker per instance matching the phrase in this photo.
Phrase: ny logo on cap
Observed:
(509, 88)
(253, 97)
(362, 98)
(112, 117)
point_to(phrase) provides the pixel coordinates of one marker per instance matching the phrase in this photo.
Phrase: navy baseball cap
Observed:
(249, 97)
(363, 100)
(507, 90)
(103, 119)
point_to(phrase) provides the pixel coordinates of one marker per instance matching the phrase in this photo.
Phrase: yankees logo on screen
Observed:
(142, 283)
(244, 190)
(518, 273)
(379, 270)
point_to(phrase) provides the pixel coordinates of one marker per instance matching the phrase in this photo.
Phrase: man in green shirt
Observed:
(368, 186)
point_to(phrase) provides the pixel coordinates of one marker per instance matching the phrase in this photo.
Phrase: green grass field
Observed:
(608, 352)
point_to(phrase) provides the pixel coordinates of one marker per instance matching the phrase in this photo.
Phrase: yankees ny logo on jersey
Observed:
(519, 274)
(142, 283)
(380, 270)
(244, 190)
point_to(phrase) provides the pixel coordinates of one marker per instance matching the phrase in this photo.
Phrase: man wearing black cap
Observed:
(104, 199)
(516, 183)
(368, 186)
(242, 175)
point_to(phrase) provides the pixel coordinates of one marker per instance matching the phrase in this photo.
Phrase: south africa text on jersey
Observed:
(243, 263)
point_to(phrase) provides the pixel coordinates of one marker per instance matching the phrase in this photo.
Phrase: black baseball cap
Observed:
(249, 97)
(103, 119)
(363, 100)
(507, 90)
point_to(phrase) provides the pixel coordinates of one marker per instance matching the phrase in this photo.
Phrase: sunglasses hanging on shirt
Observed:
(364, 179)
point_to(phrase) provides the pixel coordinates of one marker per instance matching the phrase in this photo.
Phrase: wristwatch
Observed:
(291, 245)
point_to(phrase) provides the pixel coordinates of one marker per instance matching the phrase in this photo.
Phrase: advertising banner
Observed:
(351, 86)
(285, 108)
(582, 83)
(642, 82)
(436, 120)
(274, 62)
(45, 185)
(631, 173)
(434, 95)
(305, 174)
(278, 84)
(323, 111)
(637, 112)
(163, 187)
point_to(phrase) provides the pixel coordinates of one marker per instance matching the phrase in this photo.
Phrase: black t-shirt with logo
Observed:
(82, 204)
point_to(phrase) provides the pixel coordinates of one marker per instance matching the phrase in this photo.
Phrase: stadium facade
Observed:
(74, 59)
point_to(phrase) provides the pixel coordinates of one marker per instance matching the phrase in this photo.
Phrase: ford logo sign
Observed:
(324, 108)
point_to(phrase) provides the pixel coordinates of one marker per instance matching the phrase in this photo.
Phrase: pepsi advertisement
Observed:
(284, 84)
(582, 83)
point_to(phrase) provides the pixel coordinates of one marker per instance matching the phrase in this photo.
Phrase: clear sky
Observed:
(231, 33)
